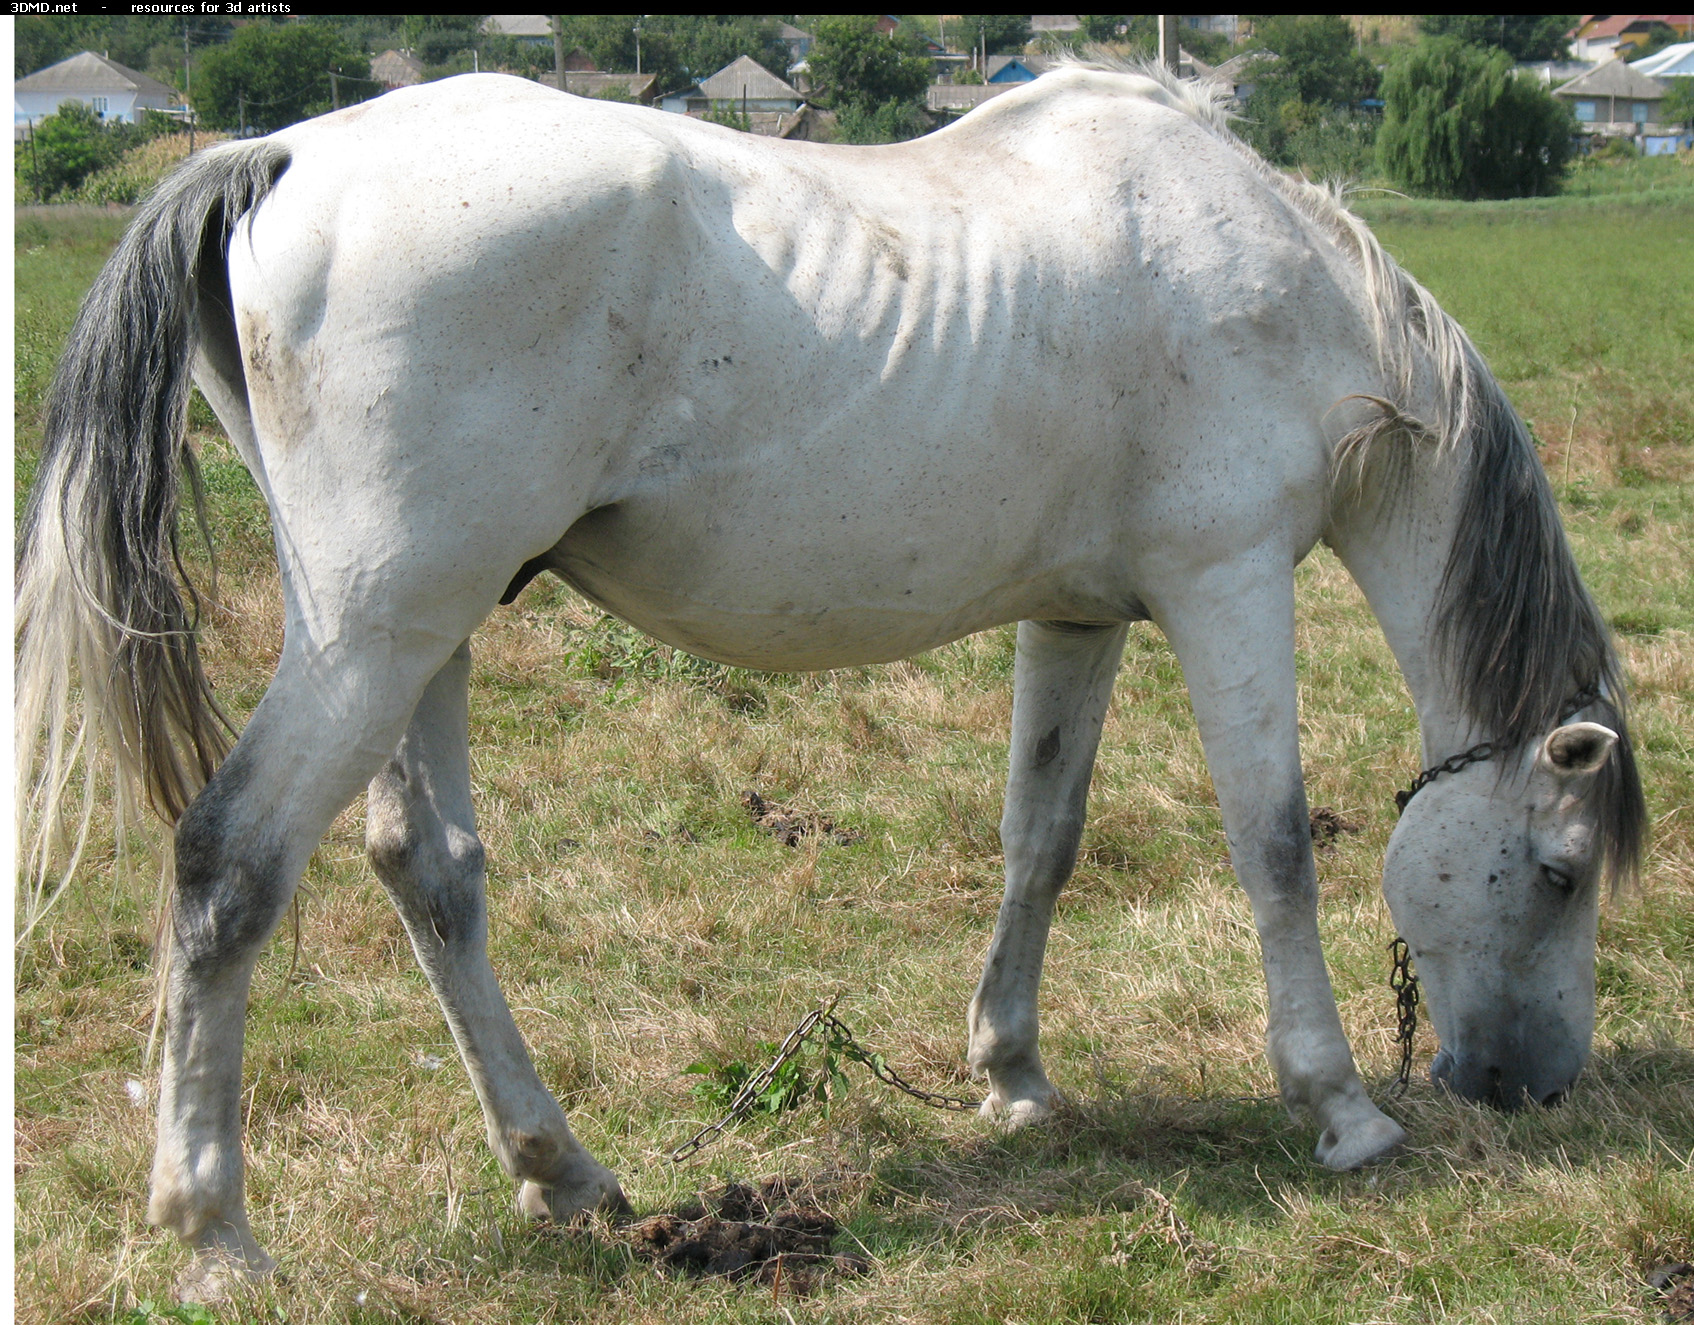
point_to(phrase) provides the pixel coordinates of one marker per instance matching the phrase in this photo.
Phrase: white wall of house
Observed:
(112, 106)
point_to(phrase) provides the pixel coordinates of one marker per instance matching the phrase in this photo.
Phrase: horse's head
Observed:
(1494, 876)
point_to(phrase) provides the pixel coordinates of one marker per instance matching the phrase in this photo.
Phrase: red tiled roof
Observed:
(1611, 25)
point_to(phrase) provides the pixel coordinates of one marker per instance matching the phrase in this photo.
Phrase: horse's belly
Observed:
(741, 591)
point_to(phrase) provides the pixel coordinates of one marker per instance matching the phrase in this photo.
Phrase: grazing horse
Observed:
(1079, 360)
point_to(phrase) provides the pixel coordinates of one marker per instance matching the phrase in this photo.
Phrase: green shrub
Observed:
(725, 113)
(65, 148)
(890, 122)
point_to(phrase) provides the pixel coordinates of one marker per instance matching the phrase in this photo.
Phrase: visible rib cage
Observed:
(104, 603)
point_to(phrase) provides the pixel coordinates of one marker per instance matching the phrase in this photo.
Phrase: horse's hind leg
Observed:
(240, 849)
(1062, 688)
(421, 832)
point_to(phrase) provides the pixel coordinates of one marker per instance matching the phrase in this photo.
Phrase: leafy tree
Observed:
(68, 146)
(1678, 105)
(1003, 34)
(1108, 27)
(1521, 36)
(513, 55)
(874, 83)
(39, 43)
(281, 71)
(1459, 124)
(1318, 74)
(1212, 47)
(705, 43)
(1318, 60)
(853, 64)
(1140, 32)
(437, 38)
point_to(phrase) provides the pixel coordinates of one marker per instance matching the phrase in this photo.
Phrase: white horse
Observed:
(1078, 360)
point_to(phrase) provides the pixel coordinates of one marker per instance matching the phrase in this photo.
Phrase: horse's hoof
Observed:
(1016, 1113)
(1362, 1143)
(559, 1204)
(214, 1274)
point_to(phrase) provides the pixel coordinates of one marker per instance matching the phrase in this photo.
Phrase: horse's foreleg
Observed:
(240, 849)
(1062, 688)
(1233, 630)
(421, 832)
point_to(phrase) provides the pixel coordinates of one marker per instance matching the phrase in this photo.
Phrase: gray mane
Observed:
(1520, 636)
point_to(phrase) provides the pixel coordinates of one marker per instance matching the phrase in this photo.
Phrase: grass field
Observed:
(642, 925)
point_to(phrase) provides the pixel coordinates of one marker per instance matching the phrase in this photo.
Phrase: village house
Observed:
(113, 91)
(1614, 101)
(397, 69)
(744, 85)
(1600, 37)
(534, 29)
(1672, 62)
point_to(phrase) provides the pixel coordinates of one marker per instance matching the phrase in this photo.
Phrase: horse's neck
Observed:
(1393, 532)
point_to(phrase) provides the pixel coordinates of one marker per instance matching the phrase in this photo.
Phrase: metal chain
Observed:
(884, 1073)
(841, 1038)
(1475, 755)
(1404, 982)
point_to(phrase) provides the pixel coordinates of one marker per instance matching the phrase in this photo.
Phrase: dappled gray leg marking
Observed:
(421, 832)
(1062, 688)
(1233, 632)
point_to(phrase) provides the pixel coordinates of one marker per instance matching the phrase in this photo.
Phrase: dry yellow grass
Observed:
(631, 949)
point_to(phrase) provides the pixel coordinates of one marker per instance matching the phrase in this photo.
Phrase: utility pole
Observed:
(241, 101)
(559, 49)
(34, 162)
(334, 92)
(1170, 52)
(188, 88)
(638, 50)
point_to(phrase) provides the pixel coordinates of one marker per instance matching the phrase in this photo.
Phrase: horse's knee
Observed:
(231, 883)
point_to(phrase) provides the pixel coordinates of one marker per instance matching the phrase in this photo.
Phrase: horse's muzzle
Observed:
(1499, 1081)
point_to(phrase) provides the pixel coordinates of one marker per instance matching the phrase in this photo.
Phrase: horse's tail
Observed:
(106, 613)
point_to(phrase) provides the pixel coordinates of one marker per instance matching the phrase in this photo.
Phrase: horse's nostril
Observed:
(1553, 1098)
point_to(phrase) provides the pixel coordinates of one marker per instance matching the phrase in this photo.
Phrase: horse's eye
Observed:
(1557, 878)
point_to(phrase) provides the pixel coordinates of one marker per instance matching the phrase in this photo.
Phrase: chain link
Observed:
(1404, 982)
(1475, 755)
(841, 1039)
(887, 1075)
(1589, 694)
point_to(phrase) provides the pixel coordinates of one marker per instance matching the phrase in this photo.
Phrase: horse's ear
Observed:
(1577, 748)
